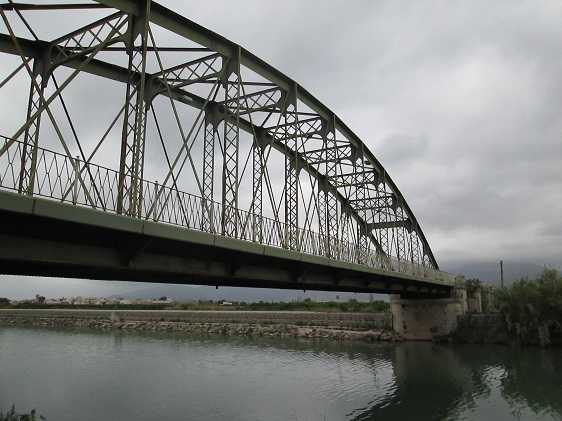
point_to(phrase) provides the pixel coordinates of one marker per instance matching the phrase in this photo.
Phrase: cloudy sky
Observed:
(460, 101)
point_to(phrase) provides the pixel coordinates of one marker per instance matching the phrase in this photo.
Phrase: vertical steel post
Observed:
(383, 237)
(156, 211)
(328, 203)
(76, 165)
(400, 233)
(31, 136)
(131, 167)
(231, 148)
(360, 196)
(257, 191)
(208, 174)
(415, 248)
(291, 176)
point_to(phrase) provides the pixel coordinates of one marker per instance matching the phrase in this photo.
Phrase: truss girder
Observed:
(330, 155)
(266, 99)
(344, 193)
(83, 41)
(193, 71)
(402, 223)
(355, 179)
(380, 201)
(297, 129)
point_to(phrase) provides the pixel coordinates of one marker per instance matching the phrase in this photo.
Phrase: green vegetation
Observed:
(352, 306)
(533, 308)
(11, 415)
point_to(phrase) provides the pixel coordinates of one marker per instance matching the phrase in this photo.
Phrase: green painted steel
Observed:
(349, 215)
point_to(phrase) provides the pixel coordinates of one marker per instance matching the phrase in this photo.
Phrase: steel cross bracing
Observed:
(210, 121)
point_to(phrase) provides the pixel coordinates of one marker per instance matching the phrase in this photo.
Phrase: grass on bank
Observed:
(352, 306)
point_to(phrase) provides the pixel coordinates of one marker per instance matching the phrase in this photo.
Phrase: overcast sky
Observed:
(460, 101)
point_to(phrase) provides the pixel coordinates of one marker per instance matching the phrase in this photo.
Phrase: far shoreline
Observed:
(335, 326)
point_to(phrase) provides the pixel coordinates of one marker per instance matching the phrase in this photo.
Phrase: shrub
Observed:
(12, 415)
(533, 306)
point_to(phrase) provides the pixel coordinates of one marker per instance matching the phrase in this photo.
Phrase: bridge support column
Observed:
(422, 319)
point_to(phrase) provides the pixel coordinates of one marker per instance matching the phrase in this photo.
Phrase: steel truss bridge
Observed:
(260, 184)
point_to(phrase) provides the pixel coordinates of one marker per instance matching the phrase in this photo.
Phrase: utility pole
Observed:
(501, 272)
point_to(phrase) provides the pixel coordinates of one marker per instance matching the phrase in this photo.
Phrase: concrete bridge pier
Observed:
(425, 318)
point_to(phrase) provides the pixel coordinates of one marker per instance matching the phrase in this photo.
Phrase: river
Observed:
(88, 375)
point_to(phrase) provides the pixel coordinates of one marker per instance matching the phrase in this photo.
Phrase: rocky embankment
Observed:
(332, 326)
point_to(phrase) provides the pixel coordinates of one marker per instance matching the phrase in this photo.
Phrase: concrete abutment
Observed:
(426, 318)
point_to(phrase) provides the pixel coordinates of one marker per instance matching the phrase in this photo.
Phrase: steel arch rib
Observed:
(184, 27)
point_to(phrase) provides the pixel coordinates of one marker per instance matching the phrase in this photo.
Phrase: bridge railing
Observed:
(71, 180)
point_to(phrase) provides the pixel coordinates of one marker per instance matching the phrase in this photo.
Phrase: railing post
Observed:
(211, 206)
(76, 166)
(155, 211)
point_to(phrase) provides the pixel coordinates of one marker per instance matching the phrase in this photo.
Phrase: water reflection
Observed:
(471, 382)
(151, 376)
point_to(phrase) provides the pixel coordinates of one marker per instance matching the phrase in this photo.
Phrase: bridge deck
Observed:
(48, 238)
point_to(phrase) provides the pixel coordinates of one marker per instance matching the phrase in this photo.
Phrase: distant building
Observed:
(163, 300)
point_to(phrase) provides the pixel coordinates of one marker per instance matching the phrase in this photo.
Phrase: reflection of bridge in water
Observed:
(202, 116)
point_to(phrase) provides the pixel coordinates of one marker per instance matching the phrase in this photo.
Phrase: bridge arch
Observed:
(326, 194)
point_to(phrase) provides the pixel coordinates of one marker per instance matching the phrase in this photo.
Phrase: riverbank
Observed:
(369, 327)
(494, 329)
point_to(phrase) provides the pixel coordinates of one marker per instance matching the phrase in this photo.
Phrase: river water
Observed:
(87, 375)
